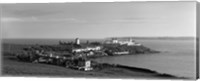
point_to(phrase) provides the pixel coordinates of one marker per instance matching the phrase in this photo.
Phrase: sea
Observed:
(177, 57)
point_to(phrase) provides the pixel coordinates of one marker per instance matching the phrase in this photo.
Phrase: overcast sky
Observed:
(98, 20)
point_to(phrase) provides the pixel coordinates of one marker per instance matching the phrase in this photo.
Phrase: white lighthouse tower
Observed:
(77, 41)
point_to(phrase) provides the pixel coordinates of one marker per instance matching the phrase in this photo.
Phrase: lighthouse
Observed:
(77, 41)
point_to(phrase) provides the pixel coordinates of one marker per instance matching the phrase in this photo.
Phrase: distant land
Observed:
(124, 37)
(56, 40)
(181, 38)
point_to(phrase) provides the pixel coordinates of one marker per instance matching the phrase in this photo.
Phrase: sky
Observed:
(98, 20)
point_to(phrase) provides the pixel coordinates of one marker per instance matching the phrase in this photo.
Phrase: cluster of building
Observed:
(77, 50)
(88, 51)
(77, 60)
(129, 42)
(85, 49)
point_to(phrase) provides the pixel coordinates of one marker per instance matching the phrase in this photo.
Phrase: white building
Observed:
(87, 66)
(97, 48)
(129, 42)
(121, 53)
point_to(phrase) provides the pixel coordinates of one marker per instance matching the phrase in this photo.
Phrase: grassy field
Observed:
(11, 66)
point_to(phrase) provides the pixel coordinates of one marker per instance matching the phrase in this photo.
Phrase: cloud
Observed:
(70, 20)
(15, 19)
(37, 19)
(139, 20)
(10, 19)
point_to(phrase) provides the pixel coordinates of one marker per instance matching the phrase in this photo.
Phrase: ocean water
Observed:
(177, 57)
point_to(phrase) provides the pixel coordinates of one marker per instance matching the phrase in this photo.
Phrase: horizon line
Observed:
(114, 37)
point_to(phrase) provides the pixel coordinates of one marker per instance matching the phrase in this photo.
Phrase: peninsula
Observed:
(76, 57)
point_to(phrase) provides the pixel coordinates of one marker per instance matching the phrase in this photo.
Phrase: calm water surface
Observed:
(177, 57)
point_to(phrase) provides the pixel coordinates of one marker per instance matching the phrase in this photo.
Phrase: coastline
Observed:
(108, 71)
(13, 67)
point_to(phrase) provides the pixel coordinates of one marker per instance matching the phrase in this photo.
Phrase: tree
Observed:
(95, 43)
